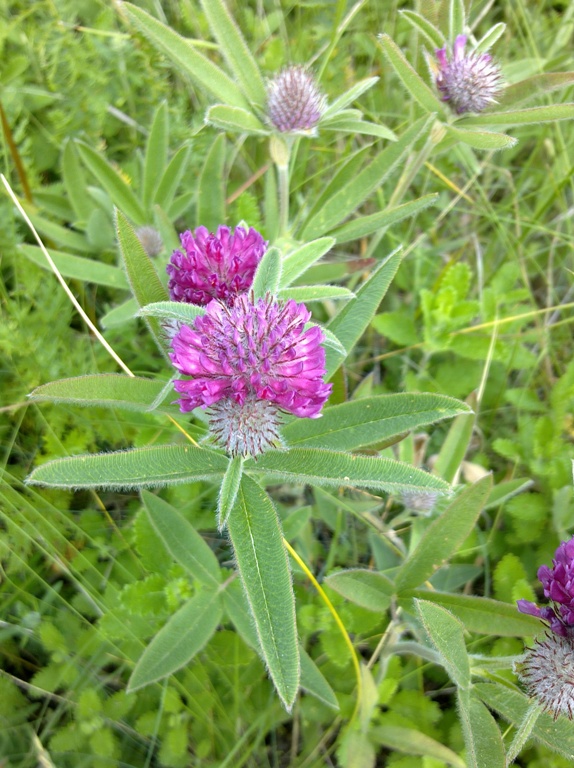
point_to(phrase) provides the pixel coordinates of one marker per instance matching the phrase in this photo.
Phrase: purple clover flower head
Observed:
(469, 82)
(547, 671)
(248, 363)
(294, 102)
(558, 583)
(214, 266)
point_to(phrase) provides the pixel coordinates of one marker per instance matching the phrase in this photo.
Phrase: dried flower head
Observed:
(558, 583)
(419, 502)
(469, 82)
(151, 240)
(294, 102)
(248, 362)
(214, 266)
(547, 672)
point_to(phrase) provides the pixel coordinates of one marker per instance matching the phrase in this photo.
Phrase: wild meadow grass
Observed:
(338, 591)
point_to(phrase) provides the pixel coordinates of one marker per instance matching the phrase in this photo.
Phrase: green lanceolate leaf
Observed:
(307, 293)
(173, 310)
(444, 536)
(112, 390)
(182, 541)
(120, 314)
(530, 116)
(350, 323)
(171, 179)
(371, 420)
(481, 614)
(486, 140)
(318, 467)
(62, 236)
(490, 37)
(143, 278)
(455, 445)
(533, 86)
(228, 491)
(412, 742)
(484, 747)
(349, 97)
(364, 127)
(366, 225)
(235, 50)
(235, 120)
(181, 52)
(156, 154)
(77, 267)
(268, 274)
(261, 560)
(414, 84)
(211, 192)
(184, 635)
(447, 635)
(120, 193)
(347, 198)
(313, 681)
(298, 261)
(433, 36)
(151, 467)
(75, 182)
(369, 589)
(456, 19)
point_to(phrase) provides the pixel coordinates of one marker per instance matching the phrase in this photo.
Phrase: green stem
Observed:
(523, 733)
(283, 177)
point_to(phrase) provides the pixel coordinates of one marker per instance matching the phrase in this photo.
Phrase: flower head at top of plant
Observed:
(294, 102)
(558, 583)
(249, 362)
(214, 266)
(470, 82)
(547, 671)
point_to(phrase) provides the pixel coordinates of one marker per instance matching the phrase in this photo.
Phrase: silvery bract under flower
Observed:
(248, 362)
(214, 266)
(547, 672)
(469, 82)
(294, 102)
(558, 583)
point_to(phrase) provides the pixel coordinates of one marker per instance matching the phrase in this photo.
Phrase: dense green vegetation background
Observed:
(481, 310)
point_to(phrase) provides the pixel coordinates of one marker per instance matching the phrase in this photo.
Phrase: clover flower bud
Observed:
(469, 82)
(294, 102)
(547, 671)
(150, 239)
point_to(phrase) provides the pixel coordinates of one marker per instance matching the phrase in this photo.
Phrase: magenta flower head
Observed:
(547, 671)
(469, 82)
(558, 583)
(294, 102)
(219, 266)
(248, 362)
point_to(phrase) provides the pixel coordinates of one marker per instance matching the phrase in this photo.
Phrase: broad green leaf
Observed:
(444, 536)
(298, 261)
(151, 467)
(512, 705)
(155, 154)
(182, 204)
(261, 561)
(180, 311)
(490, 37)
(354, 92)
(181, 52)
(318, 467)
(369, 589)
(237, 609)
(455, 445)
(235, 120)
(235, 50)
(537, 85)
(78, 267)
(530, 116)
(370, 420)
(171, 179)
(447, 635)
(120, 193)
(481, 614)
(349, 324)
(456, 19)
(307, 293)
(62, 236)
(228, 491)
(120, 315)
(268, 274)
(412, 742)
(433, 36)
(506, 490)
(331, 342)
(143, 278)
(361, 127)
(112, 390)
(313, 681)
(484, 747)
(175, 645)
(75, 182)
(211, 190)
(366, 225)
(486, 140)
(346, 199)
(182, 541)
(414, 84)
